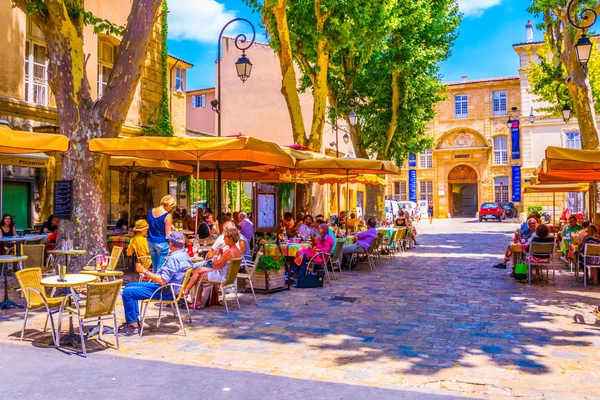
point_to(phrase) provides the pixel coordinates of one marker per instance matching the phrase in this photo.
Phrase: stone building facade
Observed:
(27, 103)
(471, 161)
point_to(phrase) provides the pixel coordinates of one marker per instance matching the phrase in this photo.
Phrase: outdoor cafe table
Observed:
(118, 240)
(71, 282)
(6, 303)
(67, 254)
(285, 249)
(102, 273)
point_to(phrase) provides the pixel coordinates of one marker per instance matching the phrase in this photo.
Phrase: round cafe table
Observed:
(6, 303)
(102, 273)
(71, 281)
(67, 254)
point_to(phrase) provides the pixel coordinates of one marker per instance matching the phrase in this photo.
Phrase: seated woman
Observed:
(412, 233)
(7, 229)
(139, 244)
(541, 236)
(50, 225)
(322, 244)
(123, 222)
(401, 220)
(307, 228)
(220, 264)
(593, 237)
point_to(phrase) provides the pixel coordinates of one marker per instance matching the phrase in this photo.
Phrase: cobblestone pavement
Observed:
(437, 319)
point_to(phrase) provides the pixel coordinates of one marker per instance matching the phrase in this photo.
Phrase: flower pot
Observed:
(276, 279)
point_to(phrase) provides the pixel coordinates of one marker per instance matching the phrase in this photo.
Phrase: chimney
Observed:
(529, 28)
(463, 78)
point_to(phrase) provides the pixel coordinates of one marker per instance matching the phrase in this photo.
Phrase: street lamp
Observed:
(563, 95)
(353, 118)
(531, 116)
(512, 114)
(243, 68)
(346, 138)
(587, 18)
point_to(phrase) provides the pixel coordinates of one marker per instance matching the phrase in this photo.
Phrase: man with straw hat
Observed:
(138, 245)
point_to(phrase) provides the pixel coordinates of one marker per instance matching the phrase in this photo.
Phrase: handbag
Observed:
(311, 281)
(520, 271)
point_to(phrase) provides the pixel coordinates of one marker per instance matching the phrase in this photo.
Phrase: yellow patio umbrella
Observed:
(214, 153)
(367, 179)
(560, 158)
(134, 164)
(557, 188)
(347, 166)
(21, 142)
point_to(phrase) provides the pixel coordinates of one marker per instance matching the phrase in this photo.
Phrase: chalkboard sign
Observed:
(63, 191)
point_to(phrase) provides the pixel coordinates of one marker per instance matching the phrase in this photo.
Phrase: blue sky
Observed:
(482, 50)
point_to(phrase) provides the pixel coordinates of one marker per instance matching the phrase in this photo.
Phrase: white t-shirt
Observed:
(220, 244)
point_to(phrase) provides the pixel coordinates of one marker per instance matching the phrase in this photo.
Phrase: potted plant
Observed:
(269, 273)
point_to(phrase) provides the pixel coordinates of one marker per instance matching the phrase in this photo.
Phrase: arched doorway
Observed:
(463, 187)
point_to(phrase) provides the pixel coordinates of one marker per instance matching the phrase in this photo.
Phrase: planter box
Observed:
(276, 279)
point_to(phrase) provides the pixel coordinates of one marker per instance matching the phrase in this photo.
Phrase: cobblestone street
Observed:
(438, 319)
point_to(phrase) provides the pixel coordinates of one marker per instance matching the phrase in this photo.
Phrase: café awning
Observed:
(25, 160)
(134, 164)
(349, 166)
(21, 142)
(558, 188)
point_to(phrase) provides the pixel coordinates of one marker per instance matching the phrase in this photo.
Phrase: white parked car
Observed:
(391, 210)
(409, 206)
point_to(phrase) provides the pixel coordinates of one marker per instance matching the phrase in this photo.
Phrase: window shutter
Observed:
(193, 101)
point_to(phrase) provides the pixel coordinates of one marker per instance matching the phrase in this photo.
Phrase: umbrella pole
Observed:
(1, 187)
(129, 200)
(239, 193)
(554, 207)
(197, 191)
(347, 200)
(295, 193)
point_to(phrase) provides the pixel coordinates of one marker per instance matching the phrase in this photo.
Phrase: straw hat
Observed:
(140, 225)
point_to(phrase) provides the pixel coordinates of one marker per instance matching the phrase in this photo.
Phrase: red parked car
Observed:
(492, 210)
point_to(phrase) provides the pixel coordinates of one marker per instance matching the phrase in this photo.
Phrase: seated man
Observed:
(362, 245)
(173, 271)
(525, 235)
(353, 222)
(206, 227)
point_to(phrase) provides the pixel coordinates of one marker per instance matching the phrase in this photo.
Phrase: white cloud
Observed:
(475, 8)
(199, 20)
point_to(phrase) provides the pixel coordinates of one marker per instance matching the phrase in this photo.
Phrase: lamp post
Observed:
(584, 20)
(513, 113)
(243, 68)
(562, 93)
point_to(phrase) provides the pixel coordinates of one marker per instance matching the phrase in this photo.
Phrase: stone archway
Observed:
(463, 188)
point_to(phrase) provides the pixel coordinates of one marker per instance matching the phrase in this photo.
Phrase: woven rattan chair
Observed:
(99, 306)
(544, 251)
(35, 298)
(387, 244)
(334, 261)
(249, 268)
(228, 283)
(401, 240)
(173, 302)
(591, 250)
(35, 258)
(326, 257)
(113, 259)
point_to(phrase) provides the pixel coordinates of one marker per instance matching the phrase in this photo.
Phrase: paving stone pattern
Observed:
(437, 319)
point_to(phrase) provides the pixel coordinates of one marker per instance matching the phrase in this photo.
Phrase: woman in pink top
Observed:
(322, 244)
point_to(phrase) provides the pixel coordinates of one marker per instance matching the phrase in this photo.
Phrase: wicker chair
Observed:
(35, 298)
(591, 250)
(334, 261)
(113, 259)
(173, 302)
(228, 283)
(543, 251)
(250, 267)
(387, 244)
(35, 258)
(401, 240)
(326, 257)
(99, 306)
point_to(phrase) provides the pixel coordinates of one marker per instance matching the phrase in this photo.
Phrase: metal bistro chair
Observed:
(326, 261)
(387, 244)
(249, 268)
(544, 251)
(591, 250)
(334, 260)
(174, 302)
(35, 298)
(369, 254)
(230, 282)
(99, 306)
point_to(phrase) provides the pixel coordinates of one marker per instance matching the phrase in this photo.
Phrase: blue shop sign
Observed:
(515, 138)
(412, 185)
(516, 183)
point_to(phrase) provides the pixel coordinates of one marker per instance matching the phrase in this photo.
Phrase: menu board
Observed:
(267, 210)
(63, 194)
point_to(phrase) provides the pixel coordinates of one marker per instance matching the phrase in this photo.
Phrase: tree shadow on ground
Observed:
(426, 312)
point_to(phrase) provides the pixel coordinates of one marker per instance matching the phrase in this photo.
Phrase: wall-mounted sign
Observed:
(63, 194)
(412, 160)
(515, 138)
(412, 185)
(516, 183)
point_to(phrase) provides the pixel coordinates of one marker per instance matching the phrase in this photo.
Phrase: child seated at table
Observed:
(139, 244)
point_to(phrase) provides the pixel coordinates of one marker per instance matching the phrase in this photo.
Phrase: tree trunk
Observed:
(286, 62)
(319, 96)
(583, 104)
(375, 202)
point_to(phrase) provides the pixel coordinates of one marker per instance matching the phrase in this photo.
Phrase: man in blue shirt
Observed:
(362, 245)
(173, 271)
(528, 233)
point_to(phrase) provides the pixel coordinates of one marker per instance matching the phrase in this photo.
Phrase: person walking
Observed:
(159, 227)
(430, 212)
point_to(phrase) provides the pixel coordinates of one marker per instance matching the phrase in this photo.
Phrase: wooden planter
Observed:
(276, 280)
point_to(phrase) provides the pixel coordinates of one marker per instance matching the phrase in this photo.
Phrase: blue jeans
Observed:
(136, 291)
(158, 252)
